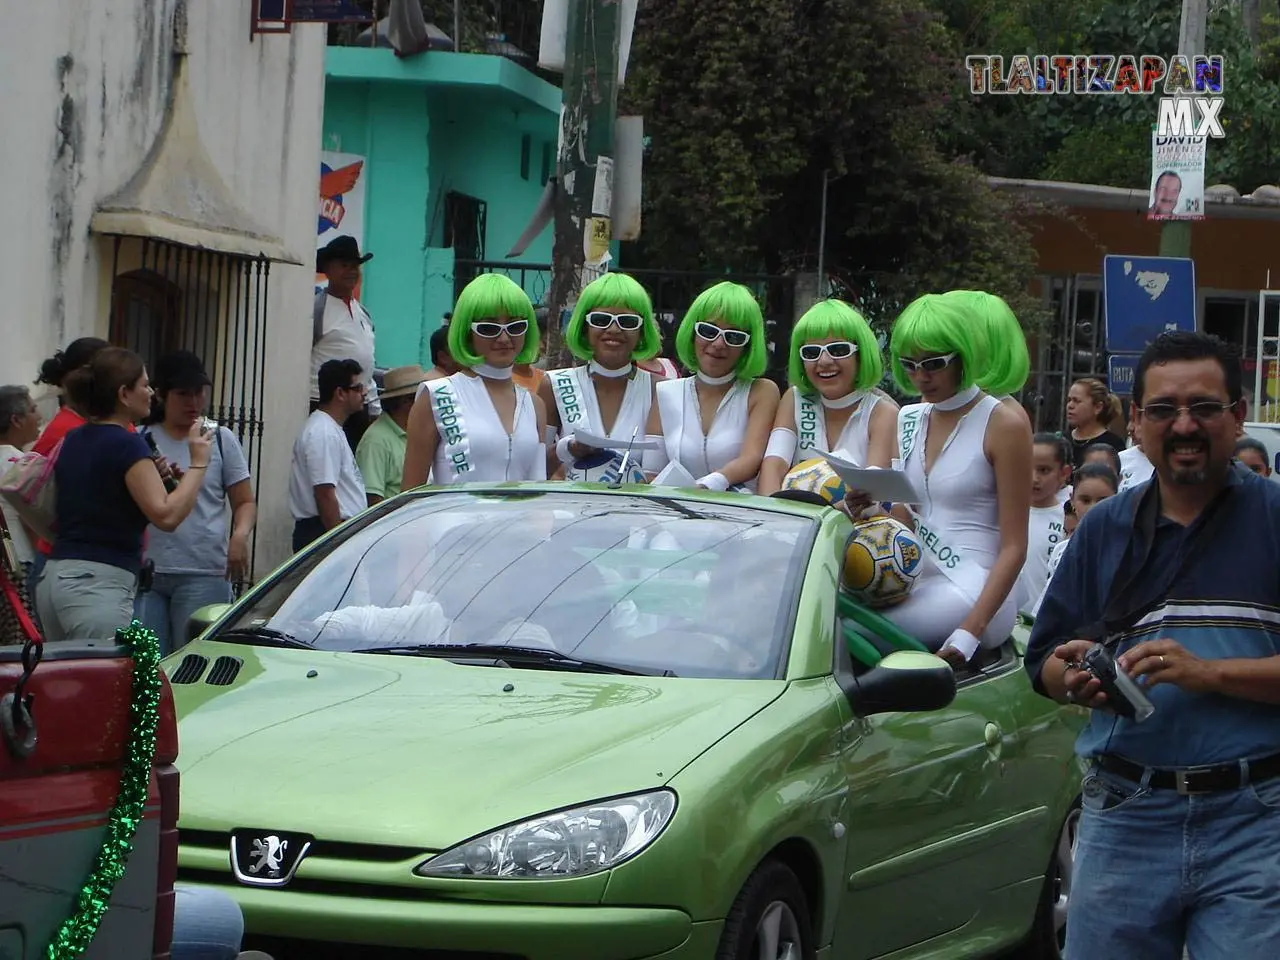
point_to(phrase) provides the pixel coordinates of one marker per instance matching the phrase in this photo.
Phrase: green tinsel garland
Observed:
(78, 930)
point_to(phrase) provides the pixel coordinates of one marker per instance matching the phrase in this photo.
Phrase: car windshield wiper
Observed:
(511, 655)
(262, 637)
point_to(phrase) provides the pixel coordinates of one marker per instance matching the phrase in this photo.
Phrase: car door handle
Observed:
(992, 736)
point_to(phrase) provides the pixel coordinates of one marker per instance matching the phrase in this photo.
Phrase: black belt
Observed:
(1192, 780)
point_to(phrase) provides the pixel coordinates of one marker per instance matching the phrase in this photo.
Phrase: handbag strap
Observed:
(14, 599)
(1122, 613)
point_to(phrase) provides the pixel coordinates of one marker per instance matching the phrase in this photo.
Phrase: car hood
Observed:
(422, 752)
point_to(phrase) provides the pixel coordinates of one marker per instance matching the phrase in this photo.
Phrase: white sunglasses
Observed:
(840, 350)
(491, 329)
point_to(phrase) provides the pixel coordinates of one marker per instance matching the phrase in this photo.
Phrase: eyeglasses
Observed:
(840, 350)
(491, 329)
(356, 387)
(711, 333)
(625, 321)
(928, 364)
(1202, 411)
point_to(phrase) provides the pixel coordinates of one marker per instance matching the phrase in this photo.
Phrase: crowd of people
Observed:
(155, 503)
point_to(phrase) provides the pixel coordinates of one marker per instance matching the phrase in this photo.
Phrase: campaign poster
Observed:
(1177, 178)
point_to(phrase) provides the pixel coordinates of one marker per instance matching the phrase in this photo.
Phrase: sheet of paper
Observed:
(674, 475)
(642, 442)
(884, 485)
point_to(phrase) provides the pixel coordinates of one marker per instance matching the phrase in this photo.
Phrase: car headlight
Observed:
(570, 843)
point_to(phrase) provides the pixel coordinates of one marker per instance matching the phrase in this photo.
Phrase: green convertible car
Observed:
(565, 722)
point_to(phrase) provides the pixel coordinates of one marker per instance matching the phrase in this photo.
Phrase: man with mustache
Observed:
(1179, 580)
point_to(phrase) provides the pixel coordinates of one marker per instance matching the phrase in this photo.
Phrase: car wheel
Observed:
(1049, 936)
(769, 919)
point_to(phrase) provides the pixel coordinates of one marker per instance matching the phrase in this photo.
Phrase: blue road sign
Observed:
(1144, 297)
(1120, 370)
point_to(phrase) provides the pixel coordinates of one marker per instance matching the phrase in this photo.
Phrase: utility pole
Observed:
(584, 195)
(1175, 235)
(823, 287)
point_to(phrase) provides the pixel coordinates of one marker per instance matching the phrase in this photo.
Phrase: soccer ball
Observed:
(604, 466)
(816, 476)
(882, 560)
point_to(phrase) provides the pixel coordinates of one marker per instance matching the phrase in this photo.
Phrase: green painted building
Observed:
(457, 148)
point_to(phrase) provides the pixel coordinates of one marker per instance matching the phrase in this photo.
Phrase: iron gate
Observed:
(174, 297)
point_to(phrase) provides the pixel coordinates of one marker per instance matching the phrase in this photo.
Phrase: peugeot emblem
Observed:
(264, 858)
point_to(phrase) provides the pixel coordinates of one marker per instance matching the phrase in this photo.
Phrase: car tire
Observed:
(770, 918)
(1048, 936)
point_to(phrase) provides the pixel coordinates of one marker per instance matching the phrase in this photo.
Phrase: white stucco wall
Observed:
(86, 86)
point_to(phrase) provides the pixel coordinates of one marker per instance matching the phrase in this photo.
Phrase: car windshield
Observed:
(633, 583)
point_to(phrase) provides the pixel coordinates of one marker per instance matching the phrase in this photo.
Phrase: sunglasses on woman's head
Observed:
(625, 321)
(491, 329)
(711, 333)
(840, 350)
(928, 364)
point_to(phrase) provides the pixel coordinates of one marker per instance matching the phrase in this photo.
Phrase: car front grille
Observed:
(332, 849)
(287, 948)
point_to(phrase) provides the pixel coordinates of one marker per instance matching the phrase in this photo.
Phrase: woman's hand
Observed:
(859, 505)
(199, 445)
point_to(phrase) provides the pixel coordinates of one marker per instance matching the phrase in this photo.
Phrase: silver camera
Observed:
(1123, 695)
(208, 426)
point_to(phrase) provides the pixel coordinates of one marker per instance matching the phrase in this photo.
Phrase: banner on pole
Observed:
(342, 195)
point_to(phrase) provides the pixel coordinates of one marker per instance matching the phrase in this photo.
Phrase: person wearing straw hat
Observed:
(380, 454)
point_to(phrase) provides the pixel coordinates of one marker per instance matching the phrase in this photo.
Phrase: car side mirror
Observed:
(202, 619)
(905, 681)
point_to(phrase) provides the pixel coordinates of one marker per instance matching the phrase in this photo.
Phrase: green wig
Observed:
(1008, 362)
(732, 305)
(614, 290)
(487, 297)
(936, 324)
(835, 318)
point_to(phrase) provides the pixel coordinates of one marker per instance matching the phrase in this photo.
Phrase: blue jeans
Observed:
(207, 925)
(171, 601)
(1157, 872)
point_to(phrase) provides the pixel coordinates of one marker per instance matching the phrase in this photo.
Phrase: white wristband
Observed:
(562, 450)
(964, 641)
(714, 481)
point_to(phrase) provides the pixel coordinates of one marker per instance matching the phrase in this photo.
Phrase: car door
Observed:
(925, 798)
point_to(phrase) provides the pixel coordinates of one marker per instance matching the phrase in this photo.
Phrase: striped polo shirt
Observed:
(1225, 604)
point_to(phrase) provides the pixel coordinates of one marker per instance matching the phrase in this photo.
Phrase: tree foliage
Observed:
(748, 103)
(1107, 139)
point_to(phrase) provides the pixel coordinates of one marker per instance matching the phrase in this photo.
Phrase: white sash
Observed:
(565, 388)
(909, 423)
(451, 425)
(811, 426)
(968, 576)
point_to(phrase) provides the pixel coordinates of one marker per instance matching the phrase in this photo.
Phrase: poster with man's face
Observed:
(1177, 178)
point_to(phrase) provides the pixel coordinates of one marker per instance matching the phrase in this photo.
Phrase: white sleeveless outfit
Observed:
(579, 407)
(473, 444)
(684, 442)
(854, 442)
(959, 525)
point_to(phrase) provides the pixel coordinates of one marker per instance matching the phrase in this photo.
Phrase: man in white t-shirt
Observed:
(19, 428)
(341, 328)
(325, 486)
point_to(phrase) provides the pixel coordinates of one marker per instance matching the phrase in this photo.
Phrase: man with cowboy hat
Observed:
(380, 454)
(341, 328)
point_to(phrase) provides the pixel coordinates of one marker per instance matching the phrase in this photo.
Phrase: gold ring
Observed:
(1162, 660)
